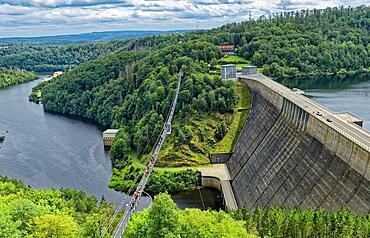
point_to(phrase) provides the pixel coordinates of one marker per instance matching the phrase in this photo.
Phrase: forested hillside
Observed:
(133, 91)
(10, 77)
(50, 56)
(303, 42)
(289, 43)
(132, 88)
(47, 58)
(297, 222)
(63, 213)
(90, 36)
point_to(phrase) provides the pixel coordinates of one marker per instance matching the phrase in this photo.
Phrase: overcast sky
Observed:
(55, 17)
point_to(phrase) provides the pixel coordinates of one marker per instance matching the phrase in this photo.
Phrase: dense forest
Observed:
(297, 222)
(66, 213)
(163, 219)
(10, 77)
(47, 56)
(303, 42)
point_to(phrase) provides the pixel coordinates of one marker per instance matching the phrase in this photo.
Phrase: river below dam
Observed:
(339, 93)
(50, 150)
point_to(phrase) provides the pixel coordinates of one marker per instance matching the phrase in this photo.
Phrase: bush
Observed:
(172, 181)
(221, 130)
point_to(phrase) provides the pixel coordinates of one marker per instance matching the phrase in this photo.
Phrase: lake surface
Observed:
(338, 93)
(49, 150)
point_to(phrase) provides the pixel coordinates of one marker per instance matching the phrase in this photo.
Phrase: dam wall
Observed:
(289, 155)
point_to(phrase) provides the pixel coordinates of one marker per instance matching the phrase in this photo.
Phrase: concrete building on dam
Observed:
(294, 152)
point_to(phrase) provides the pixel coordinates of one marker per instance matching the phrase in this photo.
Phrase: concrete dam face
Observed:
(288, 155)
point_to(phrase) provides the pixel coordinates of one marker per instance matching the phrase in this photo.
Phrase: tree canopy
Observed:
(34, 213)
(164, 219)
(288, 43)
(298, 222)
(10, 77)
(302, 42)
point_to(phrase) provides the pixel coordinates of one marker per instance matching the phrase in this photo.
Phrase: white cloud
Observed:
(50, 17)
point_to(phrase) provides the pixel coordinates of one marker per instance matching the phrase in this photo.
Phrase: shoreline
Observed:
(318, 74)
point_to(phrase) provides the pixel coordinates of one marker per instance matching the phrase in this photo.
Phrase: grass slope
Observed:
(203, 126)
(204, 140)
(226, 145)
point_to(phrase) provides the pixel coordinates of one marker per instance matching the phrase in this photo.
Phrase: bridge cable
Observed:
(119, 207)
(144, 179)
(123, 201)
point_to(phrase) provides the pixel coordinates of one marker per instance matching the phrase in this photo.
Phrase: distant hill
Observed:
(93, 36)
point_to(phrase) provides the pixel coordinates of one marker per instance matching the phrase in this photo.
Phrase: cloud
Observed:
(301, 4)
(218, 2)
(51, 17)
(62, 3)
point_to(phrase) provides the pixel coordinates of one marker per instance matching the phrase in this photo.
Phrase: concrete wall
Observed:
(286, 156)
(211, 182)
(219, 158)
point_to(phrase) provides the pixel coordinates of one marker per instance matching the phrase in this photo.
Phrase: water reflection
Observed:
(49, 150)
(327, 82)
(338, 93)
(202, 198)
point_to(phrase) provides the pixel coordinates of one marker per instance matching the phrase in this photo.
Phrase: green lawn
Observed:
(226, 145)
(234, 59)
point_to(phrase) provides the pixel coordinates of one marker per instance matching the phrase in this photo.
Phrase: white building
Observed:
(248, 70)
(228, 71)
(109, 136)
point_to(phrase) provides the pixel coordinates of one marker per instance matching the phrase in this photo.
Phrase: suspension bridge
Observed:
(130, 208)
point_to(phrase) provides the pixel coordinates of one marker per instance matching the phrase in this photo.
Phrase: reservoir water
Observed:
(49, 150)
(349, 93)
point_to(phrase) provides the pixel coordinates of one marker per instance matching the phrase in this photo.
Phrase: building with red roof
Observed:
(227, 49)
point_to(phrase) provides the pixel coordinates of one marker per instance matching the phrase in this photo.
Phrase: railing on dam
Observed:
(357, 135)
